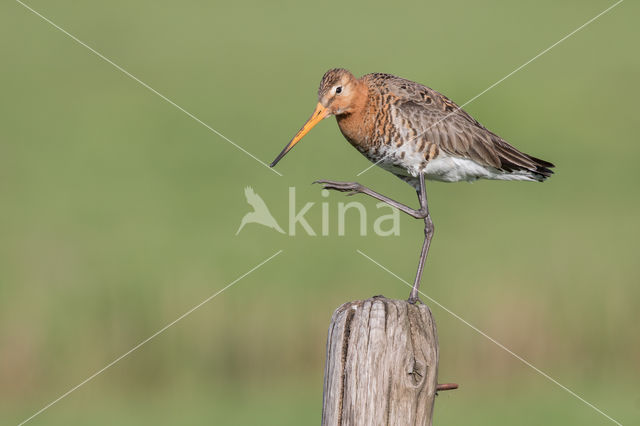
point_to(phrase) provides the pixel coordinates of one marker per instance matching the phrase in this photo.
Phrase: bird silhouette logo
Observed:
(260, 213)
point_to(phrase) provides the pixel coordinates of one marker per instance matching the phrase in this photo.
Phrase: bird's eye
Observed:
(339, 89)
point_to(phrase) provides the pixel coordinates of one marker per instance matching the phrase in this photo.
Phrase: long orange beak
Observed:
(318, 115)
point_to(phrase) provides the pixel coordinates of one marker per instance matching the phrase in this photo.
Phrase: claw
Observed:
(351, 187)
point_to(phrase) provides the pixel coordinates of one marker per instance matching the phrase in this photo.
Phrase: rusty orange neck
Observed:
(354, 124)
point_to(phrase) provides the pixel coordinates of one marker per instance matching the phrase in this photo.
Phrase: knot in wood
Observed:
(382, 361)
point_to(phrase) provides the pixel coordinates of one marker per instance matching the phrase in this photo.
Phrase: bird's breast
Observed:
(354, 129)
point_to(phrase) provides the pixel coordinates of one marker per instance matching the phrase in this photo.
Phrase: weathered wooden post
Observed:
(382, 364)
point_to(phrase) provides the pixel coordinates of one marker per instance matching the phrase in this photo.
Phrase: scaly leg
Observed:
(423, 213)
(355, 188)
(428, 234)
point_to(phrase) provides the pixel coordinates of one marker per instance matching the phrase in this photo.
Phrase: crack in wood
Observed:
(380, 377)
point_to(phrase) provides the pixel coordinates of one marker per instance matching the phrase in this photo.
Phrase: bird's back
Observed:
(411, 128)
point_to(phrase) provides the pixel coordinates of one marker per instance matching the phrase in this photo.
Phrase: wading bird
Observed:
(415, 133)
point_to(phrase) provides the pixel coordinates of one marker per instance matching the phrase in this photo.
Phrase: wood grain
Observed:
(382, 364)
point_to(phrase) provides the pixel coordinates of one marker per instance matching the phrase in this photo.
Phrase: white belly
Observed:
(454, 169)
(444, 167)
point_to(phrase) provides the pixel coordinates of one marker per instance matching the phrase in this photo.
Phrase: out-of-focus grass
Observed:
(118, 212)
(294, 403)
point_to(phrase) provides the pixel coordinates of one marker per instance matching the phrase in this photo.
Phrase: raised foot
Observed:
(351, 187)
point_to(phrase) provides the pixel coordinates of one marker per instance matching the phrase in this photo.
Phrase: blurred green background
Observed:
(119, 212)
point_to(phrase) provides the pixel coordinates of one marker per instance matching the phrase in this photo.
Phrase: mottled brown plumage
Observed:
(399, 112)
(415, 133)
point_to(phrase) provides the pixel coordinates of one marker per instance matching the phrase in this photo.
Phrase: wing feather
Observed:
(439, 120)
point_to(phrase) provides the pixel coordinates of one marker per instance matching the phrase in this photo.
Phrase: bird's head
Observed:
(337, 91)
(338, 94)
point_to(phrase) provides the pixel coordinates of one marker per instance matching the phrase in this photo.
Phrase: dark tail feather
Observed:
(513, 160)
(543, 168)
(540, 169)
(540, 162)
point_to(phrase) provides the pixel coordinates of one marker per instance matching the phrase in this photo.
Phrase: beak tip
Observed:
(276, 161)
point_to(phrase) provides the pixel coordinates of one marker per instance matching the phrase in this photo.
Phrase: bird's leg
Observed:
(423, 213)
(355, 188)
(428, 234)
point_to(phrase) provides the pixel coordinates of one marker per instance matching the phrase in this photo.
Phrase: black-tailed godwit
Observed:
(415, 133)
